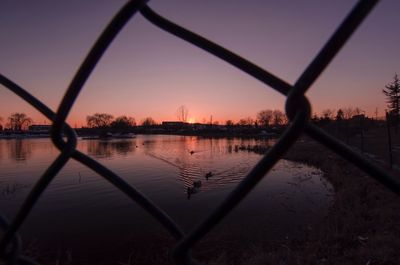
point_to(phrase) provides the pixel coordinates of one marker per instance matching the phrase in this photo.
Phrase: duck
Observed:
(191, 190)
(209, 174)
(197, 184)
(191, 152)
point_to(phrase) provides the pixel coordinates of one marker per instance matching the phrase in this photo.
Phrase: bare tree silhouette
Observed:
(19, 121)
(182, 113)
(264, 117)
(99, 120)
(358, 111)
(348, 112)
(123, 122)
(246, 122)
(279, 117)
(229, 123)
(328, 114)
(148, 122)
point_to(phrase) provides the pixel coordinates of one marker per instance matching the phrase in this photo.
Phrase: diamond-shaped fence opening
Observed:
(297, 109)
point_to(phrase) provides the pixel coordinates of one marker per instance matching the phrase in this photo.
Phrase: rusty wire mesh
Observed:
(298, 110)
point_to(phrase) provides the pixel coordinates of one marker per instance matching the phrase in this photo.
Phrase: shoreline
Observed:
(362, 225)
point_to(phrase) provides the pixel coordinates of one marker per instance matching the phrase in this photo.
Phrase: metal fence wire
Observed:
(298, 110)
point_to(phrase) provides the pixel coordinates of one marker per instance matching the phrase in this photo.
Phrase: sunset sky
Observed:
(148, 72)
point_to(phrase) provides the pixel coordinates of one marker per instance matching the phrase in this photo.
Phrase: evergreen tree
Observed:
(392, 93)
(340, 115)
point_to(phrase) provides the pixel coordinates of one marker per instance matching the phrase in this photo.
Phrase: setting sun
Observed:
(191, 120)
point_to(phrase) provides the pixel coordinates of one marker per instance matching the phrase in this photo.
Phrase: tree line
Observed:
(105, 120)
(345, 113)
(264, 119)
(16, 122)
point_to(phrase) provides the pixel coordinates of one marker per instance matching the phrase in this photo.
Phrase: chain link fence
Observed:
(298, 110)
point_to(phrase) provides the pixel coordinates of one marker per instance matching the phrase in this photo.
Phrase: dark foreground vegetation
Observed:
(362, 226)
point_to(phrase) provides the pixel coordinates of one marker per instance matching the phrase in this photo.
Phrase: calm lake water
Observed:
(81, 209)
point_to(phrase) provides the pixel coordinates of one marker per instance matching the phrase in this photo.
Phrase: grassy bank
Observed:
(362, 226)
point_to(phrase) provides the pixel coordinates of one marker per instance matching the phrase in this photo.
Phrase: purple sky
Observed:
(148, 72)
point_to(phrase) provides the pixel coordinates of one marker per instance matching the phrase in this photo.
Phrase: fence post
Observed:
(389, 139)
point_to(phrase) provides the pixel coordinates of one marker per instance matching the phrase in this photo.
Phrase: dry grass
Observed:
(362, 226)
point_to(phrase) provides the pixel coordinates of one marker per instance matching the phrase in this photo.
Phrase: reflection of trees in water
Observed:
(8, 189)
(19, 149)
(187, 169)
(123, 147)
(149, 145)
(210, 147)
(110, 148)
(258, 146)
(1, 149)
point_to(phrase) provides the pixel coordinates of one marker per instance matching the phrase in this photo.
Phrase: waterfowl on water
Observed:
(193, 189)
(197, 184)
(209, 174)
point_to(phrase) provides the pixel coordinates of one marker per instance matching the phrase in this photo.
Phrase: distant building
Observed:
(39, 129)
(174, 125)
(199, 126)
(358, 117)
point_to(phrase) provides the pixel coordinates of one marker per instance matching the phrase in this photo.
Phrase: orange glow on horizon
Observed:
(78, 121)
